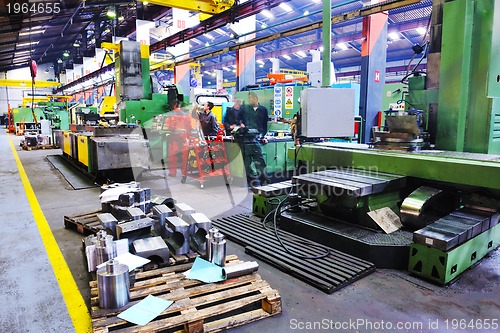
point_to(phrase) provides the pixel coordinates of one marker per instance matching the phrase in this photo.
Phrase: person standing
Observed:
(256, 117)
(208, 120)
(178, 124)
(234, 117)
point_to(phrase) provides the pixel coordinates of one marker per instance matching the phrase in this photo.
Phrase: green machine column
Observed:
(469, 116)
(327, 43)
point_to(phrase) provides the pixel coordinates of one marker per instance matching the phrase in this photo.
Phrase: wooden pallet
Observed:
(25, 147)
(197, 307)
(86, 224)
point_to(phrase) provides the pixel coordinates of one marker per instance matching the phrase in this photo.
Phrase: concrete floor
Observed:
(32, 301)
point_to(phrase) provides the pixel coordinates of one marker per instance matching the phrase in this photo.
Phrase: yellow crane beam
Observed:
(27, 83)
(203, 6)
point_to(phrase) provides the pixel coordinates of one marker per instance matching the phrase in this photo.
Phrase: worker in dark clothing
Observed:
(178, 124)
(256, 117)
(234, 117)
(208, 120)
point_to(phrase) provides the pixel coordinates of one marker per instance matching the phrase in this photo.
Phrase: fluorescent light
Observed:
(121, 18)
(286, 7)
(234, 70)
(207, 72)
(301, 54)
(421, 30)
(393, 35)
(316, 1)
(306, 12)
(220, 32)
(263, 25)
(225, 80)
(261, 66)
(209, 36)
(342, 46)
(27, 44)
(234, 66)
(22, 52)
(267, 13)
(214, 74)
(226, 68)
(32, 32)
(260, 62)
(287, 57)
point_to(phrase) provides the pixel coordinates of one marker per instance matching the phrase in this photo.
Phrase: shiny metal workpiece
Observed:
(178, 235)
(219, 250)
(232, 271)
(109, 223)
(200, 224)
(152, 247)
(209, 246)
(113, 285)
(161, 212)
(413, 209)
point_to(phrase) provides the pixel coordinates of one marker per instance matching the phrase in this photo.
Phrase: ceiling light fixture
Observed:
(32, 32)
(76, 44)
(121, 18)
(286, 7)
(66, 54)
(301, 54)
(287, 57)
(393, 35)
(260, 62)
(342, 46)
(263, 25)
(27, 44)
(306, 12)
(59, 61)
(421, 30)
(267, 13)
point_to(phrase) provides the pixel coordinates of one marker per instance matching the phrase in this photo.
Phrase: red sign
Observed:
(377, 76)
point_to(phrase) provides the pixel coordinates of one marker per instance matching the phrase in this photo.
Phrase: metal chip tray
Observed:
(353, 182)
(455, 229)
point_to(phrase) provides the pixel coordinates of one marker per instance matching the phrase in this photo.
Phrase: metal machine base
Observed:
(384, 250)
(442, 267)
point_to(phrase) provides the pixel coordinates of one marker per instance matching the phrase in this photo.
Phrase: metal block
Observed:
(109, 222)
(487, 219)
(178, 235)
(183, 210)
(438, 239)
(109, 153)
(474, 227)
(135, 213)
(126, 200)
(134, 229)
(152, 248)
(161, 212)
(444, 266)
(462, 231)
(201, 224)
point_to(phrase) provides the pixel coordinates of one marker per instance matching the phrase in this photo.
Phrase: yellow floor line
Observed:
(77, 308)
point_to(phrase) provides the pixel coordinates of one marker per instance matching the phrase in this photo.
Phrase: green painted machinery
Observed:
(444, 266)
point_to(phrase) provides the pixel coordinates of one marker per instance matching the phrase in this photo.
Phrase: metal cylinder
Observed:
(219, 250)
(209, 247)
(244, 268)
(105, 250)
(113, 285)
